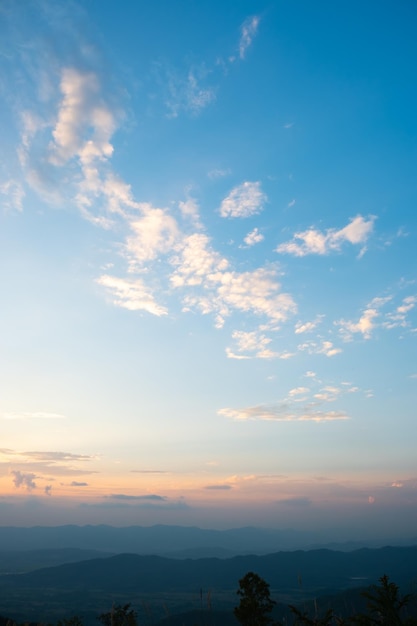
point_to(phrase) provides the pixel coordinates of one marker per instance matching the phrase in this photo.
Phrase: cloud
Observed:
(24, 479)
(27, 415)
(254, 343)
(149, 472)
(190, 210)
(253, 237)
(14, 194)
(313, 241)
(301, 404)
(298, 391)
(280, 414)
(366, 323)
(75, 483)
(129, 498)
(248, 31)
(48, 490)
(57, 456)
(131, 294)
(243, 201)
(187, 92)
(218, 487)
(325, 347)
(219, 173)
(298, 502)
(307, 327)
(155, 233)
(398, 318)
(256, 292)
(84, 125)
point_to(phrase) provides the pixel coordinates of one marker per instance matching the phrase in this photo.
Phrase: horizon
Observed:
(208, 267)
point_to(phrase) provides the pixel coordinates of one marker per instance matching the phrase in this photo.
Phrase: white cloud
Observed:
(243, 201)
(297, 391)
(196, 261)
(256, 292)
(302, 404)
(398, 318)
(307, 327)
(325, 347)
(253, 237)
(14, 193)
(280, 414)
(254, 343)
(190, 210)
(27, 415)
(313, 241)
(366, 323)
(84, 124)
(154, 233)
(131, 294)
(248, 31)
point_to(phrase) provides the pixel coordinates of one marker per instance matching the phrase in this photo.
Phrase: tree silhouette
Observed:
(119, 616)
(255, 604)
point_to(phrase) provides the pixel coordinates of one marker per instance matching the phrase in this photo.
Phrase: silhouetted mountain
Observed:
(164, 540)
(157, 539)
(315, 569)
(18, 561)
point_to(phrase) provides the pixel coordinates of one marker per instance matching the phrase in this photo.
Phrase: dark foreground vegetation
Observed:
(383, 605)
(304, 587)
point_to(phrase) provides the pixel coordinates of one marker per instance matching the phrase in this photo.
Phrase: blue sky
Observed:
(208, 264)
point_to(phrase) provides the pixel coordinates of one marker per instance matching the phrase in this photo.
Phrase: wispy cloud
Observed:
(243, 201)
(188, 92)
(322, 347)
(34, 415)
(131, 294)
(313, 241)
(302, 404)
(281, 414)
(141, 498)
(253, 237)
(14, 194)
(248, 31)
(219, 173)
(218, 487)
(306, 327)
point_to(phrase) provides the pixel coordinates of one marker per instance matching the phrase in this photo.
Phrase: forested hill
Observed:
(283, 570)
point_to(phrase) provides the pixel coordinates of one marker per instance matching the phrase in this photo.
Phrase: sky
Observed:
(208, 264)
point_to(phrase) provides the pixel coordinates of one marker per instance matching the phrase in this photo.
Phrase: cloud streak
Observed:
(313, 241)
(244, 200)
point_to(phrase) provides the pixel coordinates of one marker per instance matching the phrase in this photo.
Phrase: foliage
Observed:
(255, 604)
(385, 606)
(119, 616)
(329, 619)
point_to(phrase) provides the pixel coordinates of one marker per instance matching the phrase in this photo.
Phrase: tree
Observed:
(255, 604)
(119, 616)
(385, 606)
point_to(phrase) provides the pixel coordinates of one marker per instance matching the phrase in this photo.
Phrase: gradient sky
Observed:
(208, 263)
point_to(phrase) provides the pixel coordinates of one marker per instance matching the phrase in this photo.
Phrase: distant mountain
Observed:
(311, 570)
(19, 561)
(166, 540)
